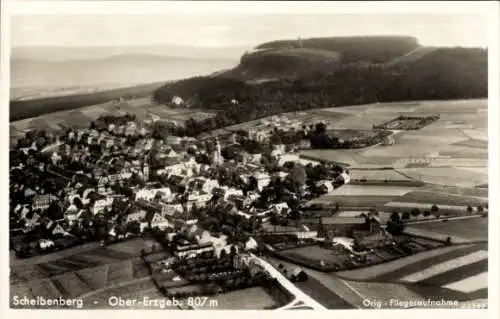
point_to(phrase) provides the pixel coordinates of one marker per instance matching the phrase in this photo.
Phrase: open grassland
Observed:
(446, 176)
(360, 202)
(377, 175)
(361, 190)
(441, 198)
(473, 228)
(314, 253)
(255, 298)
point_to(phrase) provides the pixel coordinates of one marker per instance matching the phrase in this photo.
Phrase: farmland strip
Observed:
(445, 266)
(470, 284)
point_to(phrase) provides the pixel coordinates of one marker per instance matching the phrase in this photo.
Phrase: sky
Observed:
(239, 29)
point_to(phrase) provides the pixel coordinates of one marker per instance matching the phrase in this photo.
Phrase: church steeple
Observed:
(217, 154)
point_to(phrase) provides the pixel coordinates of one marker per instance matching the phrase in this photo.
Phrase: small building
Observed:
(280, 208)
(251, 244)
(149, 194)
(325, 186)
(43, 202)
(102, 203)
(263, 179)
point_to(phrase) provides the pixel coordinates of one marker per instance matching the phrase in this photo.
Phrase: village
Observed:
(205, 202)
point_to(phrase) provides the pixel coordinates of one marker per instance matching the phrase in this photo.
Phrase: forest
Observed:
(444, 74)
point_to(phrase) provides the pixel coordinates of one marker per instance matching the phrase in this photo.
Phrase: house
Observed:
(171, 208)
(177, 101)
(58, 230)
(45, 243)
(278, 150)
(280, 208)
(101, 204)
(240, 201)
(343, 178)
(281, 175)
(263, 180)
(251, 244)
(209, 185)
(306, 234)
(305, 144)
(288, 157)
(325, 186)
(254, 158)
(31, 219)
(155, 219)
(337, 226)
(200, 199)
(233, 191)
(189, 250)
(21, 211)
(149, 194)
(43, 202)
(371, 240)
(55, 158)
(137, 214)
(219, 192)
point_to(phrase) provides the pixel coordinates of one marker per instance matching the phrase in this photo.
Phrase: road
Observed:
(300, 296)
(338, 286)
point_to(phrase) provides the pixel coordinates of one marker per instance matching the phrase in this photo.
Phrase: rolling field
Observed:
(452, 176)
(361, 190)
(458, 139)
(355, 201)
(363, 196)
(453, 273)
(441, 198)
(377, 175)
(314, 253)
(78, 271)
(255, 298)
(473, 228)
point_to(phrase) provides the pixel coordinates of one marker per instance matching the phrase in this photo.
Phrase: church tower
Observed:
(145, 169)
(217, 159)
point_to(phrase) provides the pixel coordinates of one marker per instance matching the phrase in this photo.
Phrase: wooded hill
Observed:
(342, 73)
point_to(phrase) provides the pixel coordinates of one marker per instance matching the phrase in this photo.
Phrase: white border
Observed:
(259, 7)
(158, 7)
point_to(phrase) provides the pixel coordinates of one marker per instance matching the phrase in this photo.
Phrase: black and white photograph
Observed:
(291, 157)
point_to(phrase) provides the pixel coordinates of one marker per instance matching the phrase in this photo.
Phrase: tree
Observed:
(134, 227)
(469, 209)
(320, 128)
(415, 212)
(434, 209)
(448, 241)
(337, 207)
(427, 213)
(395, 225)
(78, 202)
(480, 209)
(395, 216)
(405, 215)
